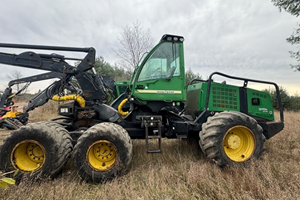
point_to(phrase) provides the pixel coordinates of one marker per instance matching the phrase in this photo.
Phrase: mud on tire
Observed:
(231, 137)
(40, 149)
(103, 152)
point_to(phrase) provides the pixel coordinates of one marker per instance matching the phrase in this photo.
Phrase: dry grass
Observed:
(182, 172)
(44, 113)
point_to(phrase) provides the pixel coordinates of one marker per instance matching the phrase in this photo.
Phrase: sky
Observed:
(237, 37)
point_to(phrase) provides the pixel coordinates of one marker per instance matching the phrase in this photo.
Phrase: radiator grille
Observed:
(225, 97)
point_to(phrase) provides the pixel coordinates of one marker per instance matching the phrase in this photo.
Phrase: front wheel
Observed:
(231, 137)
(103, 152)
(39, 149)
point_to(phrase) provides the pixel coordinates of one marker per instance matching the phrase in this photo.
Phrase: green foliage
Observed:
(293, 7)
(288, 102)
(295, 103)
(114, 72)
(190, 75)
(5, 182)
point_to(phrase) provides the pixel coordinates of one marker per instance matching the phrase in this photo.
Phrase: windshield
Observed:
(163, 63)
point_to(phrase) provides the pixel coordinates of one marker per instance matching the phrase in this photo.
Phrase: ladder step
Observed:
(181, 136)
(158, 143)
(154, 136)
(154, 151)
(154, 122)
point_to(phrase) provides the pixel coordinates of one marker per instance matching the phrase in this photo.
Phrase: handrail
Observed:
(246, 80)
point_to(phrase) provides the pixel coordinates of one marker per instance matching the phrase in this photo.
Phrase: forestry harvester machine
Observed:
(230, 122)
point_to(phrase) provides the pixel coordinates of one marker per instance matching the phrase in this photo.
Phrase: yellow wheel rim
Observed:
(101, 155)
(28, 156)
(239, 143)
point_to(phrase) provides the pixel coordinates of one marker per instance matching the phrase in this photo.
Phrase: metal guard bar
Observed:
(246, 80)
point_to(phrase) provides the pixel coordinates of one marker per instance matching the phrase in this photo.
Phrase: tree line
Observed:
(289, 102)
(118, 73)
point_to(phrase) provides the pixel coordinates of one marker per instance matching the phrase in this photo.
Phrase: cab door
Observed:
(161, 77)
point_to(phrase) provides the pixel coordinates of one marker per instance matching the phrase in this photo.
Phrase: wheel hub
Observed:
(101, 155)
(35, 153)
(104, 152)
(239, 143)
(233, 141)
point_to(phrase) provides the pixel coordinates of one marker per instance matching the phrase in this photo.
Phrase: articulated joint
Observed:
(121, 106)
(80, 100)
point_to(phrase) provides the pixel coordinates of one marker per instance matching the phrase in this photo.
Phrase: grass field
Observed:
(182, 172)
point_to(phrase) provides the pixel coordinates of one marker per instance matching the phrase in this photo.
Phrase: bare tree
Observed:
(134, 42)
(15, 74)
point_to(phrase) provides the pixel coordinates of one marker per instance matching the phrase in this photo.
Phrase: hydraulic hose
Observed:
(80, 100)
(121, 106)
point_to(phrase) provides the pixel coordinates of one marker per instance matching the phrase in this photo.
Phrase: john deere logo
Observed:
(159, 91)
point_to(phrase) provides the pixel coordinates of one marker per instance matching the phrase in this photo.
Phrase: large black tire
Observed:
(103, 152)
(40, 149)
(231, 137)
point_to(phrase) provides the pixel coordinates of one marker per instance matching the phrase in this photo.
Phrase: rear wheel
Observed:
(231, 137)
(40, 149)
(103, 152)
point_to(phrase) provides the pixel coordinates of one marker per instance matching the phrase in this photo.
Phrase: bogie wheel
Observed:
(103, 152)
(231, 137)
(40, 149)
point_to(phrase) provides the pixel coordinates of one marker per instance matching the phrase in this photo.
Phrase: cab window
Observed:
(163, 63)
